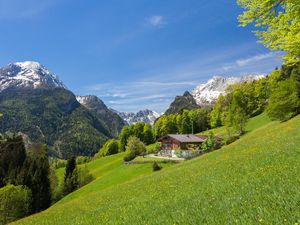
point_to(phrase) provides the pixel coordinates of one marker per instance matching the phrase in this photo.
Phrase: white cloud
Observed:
(253, 62)
(156, 21)
(256, 58)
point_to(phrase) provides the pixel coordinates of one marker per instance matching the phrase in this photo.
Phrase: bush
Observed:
(134, 148)
(130, 155)
(210, 143)
(84, 176)
(82, 160)
(109, 148)
(153, 148)
(14, 203)
(156, 167)
(230, 139)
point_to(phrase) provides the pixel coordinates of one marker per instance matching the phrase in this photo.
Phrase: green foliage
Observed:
(148, 137)
(84, 176)
(230, 139)
(134, 148)
(71, 177)
(82, 159)
(12, 157)
(278, 22)
(156, 167)
(141, 130)
(195, 121)
(111, 147)
(14, 203)
(284, 102)
(209, 144)
(153, 148)
(124, 135)
(35, 175)
(237, 116)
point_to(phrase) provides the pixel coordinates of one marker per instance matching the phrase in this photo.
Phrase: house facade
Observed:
(172, 142)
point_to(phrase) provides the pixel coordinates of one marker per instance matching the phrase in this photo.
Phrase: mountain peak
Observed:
(91, 102)
(28, 74)
(206, 94)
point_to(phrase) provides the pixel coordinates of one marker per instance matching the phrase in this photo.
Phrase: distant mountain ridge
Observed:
(207, 94)
(146, 116)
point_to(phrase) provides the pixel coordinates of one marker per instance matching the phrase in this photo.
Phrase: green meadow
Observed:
(254, 180)
(253, 123)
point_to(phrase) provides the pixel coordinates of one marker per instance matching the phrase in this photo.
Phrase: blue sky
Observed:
(133, 54)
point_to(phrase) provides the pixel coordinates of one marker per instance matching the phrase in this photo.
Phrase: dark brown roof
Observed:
(184, 138)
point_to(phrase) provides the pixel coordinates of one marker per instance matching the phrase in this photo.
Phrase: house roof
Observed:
(184, 138)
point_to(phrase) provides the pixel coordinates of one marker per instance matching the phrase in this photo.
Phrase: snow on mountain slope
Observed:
(91, 102)
(28, 74)
(207, 94)
(147, 116)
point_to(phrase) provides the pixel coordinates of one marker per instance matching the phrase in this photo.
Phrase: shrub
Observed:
(156, 167)
(84, 176)
(134, 148)
(153, 148)
(82, 160)
(230, 139)
(210, 143)
(14, 203)
(109, 148)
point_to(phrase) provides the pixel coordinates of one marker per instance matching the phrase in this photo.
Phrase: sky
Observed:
(133, 54)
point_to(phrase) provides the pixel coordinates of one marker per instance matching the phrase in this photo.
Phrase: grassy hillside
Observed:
(254, 180)
(108, 171)
(253, 123)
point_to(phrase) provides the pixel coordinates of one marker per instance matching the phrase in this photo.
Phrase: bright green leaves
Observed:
(278, 24)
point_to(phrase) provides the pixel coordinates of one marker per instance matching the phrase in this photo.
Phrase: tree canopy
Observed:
(278, 24)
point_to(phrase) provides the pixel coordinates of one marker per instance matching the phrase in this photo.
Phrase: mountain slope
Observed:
(207, 94)
(186, 101)
(146, 116)
(35, 102)
(112, 120)
(53, 117)
(254, 180)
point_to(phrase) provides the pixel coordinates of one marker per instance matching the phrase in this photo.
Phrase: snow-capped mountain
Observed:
(28, 74)
(207, 94)
(147, 116)
(91, 102)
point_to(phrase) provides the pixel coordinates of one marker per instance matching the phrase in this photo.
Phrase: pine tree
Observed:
(35, 175)
(71, 176)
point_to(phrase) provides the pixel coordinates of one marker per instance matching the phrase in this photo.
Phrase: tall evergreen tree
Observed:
(35, 175)
(12, 157)
(71, 176)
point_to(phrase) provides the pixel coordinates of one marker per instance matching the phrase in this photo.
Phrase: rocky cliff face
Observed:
(186, 101)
